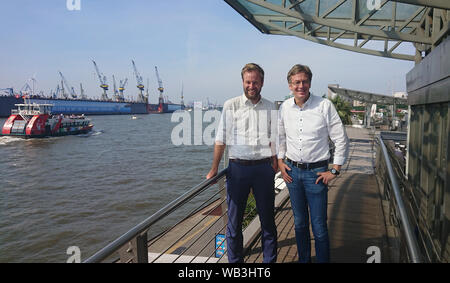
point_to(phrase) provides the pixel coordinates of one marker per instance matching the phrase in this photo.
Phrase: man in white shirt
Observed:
(305, 125)
(246, 128)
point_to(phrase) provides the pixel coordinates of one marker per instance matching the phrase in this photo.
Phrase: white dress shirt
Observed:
(247, 129)
(303, 132)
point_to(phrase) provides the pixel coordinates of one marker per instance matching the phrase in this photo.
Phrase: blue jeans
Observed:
(307, 198)
(240, 178)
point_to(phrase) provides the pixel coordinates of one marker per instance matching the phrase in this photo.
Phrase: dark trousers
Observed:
(240, 178)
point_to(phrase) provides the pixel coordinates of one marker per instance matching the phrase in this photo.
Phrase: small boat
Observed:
(33, 120)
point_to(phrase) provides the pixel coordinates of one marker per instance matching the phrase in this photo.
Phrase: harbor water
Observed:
(87, 190)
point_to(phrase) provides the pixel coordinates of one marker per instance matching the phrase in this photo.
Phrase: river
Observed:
(87, 190)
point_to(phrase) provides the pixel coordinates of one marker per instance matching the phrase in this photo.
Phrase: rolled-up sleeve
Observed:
(336, 131)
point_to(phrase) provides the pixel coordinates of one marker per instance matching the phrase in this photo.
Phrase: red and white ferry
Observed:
(32, 120)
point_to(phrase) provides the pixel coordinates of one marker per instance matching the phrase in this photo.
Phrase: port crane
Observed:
(63, 91)
(83, 95)
(116, 93)
(103, 84)
(146, 90)
(122, 85)
(69, 88)
(57, 91)
(160, 87)
(182, 97)
(27, 89)
(140, 85)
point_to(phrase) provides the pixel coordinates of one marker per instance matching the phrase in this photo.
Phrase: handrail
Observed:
(411, 240)
(144, 225)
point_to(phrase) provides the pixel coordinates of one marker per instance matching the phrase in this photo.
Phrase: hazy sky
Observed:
(202, 43)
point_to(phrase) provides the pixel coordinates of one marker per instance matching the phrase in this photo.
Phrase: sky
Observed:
(202, 44)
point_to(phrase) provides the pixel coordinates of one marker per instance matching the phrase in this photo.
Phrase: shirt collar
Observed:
(307, 103)
(247, 101)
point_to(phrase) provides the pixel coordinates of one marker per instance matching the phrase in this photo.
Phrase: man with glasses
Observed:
(305, 125)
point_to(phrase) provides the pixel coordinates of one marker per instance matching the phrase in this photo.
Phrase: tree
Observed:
(344, 109)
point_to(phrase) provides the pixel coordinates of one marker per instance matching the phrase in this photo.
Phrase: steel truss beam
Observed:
(426, 23)
(368, 97)
(441, 4)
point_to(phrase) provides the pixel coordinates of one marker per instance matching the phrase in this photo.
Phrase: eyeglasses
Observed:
(297, 83)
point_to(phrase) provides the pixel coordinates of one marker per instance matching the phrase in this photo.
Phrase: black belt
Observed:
(307, 166)
(251, 162)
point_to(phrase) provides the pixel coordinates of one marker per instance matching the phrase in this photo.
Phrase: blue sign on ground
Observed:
(220, 245)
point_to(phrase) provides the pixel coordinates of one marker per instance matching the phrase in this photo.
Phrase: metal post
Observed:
(141, 248)
(368, 115)
(223, 194)
(135, 250)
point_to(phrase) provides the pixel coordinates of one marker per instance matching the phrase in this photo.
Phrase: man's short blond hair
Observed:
(250, 67)
(298, 68)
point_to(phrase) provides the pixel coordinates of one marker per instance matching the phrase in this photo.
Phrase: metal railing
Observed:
(190, 239)
(134, 242)
(405, 223)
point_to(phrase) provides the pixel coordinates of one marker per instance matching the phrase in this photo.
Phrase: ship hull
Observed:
(46, 135)
(166, 108)
(92, 107)
(67, 106)
(89, 107)
(7, 103)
